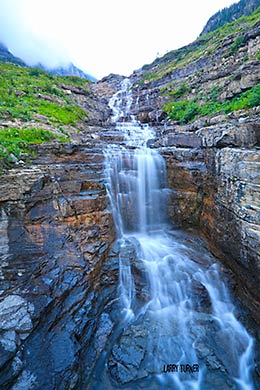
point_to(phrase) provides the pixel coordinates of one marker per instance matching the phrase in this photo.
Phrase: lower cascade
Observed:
(177, 326)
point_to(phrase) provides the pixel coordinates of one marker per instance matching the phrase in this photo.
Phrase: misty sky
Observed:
(101, 36)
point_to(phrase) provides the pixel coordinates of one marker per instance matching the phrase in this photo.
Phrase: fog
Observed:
(101, 36)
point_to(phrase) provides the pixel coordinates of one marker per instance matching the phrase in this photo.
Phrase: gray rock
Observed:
(15, 314)
(103, 331)
(9, 340)
(26, 381)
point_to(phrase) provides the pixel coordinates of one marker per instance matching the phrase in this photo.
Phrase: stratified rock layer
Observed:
(56, 232)
(213, 174)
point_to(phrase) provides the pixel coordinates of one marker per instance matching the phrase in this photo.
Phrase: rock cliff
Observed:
(56, 232)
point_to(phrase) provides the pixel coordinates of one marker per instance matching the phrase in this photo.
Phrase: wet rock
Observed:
(26, 381)
(182, 140)
(62, 351)
(213, 363)
(103, 331)
(56, 232)
(15, 314)
(220, 380)
(230, 215)
(202, 350)
(9, 340)
(239, 135)
(257, 370)
(128, 354)
(186, 176)
(6, 355)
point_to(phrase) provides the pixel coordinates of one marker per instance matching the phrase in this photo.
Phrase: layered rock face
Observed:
(56, 232)
(214, 179)
(230, 69)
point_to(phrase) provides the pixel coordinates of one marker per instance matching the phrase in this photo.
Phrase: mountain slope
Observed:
(68, 70)
(198, 78)
(38, 107)
(226, 15)
(7, 56)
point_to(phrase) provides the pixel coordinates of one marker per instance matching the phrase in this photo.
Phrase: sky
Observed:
(101, 36)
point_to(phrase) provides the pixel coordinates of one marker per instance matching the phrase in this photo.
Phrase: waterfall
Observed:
(191, 317)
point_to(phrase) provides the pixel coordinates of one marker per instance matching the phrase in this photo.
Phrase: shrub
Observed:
(34, 72)
(236, 44)
(180, 91)
(183, 110)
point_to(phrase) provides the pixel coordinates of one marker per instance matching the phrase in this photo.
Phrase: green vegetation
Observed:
(185, 111)
(74, 80)
(16, 141)
(226, 15)
(31, 94)
(213, 94)
(182, 110)
(178, 92)
(203, 46)
(27, 92)
(236, 44)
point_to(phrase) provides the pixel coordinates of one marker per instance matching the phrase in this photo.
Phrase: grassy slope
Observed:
(203, 46)
(185, 111)
(183, 106)
(29, 94)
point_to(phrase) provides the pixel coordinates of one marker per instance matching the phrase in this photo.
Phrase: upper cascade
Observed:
(134, 133)
(120, 102)
(137, 177)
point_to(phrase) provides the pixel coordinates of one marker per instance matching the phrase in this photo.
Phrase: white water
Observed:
(175, 272)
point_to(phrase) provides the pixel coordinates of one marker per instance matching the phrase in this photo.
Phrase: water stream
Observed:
(179, 328)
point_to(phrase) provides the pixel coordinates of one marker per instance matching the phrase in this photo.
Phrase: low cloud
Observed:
(21, 36)
(101, 36)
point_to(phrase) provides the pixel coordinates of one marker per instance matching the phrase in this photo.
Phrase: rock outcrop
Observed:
(213, 174)
(223, 65)
(56, 232)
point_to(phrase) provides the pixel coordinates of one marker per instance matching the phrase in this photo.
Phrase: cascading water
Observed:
(185, 305)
